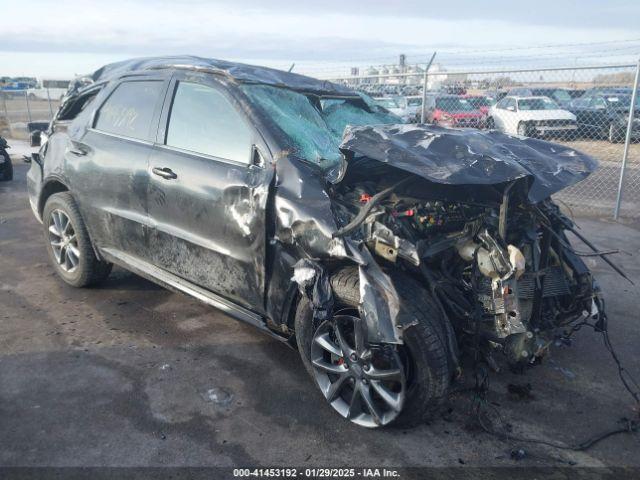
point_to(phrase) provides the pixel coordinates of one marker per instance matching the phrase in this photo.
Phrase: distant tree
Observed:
(618, 78)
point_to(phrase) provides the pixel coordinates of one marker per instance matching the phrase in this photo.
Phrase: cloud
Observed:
(286, 30)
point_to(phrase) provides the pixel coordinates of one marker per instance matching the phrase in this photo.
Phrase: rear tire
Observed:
(7, 175)
(424, 352)
(68, 244)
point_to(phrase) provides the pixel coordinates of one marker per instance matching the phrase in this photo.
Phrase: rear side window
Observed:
(202, 120)
(129, 109)
(75, 106)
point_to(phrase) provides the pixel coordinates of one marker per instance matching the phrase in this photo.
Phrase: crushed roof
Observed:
(240, 72)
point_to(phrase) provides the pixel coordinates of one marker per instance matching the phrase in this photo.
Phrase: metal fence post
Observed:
(50, 108)
(26, 97)
(423, 111)
(627, 141)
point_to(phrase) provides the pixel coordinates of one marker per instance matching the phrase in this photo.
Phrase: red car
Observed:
(453, 111)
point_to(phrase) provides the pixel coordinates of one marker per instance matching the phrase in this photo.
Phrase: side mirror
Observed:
(36, 139)
(511, 108)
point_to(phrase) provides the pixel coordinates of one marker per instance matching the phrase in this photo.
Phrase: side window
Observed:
(580, 102)
(202, 120)
(509, 102)
(129, 109)
(598, 102)
(75, 106)
(502, 104)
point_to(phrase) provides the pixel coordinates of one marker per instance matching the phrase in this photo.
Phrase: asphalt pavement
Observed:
(129, 374)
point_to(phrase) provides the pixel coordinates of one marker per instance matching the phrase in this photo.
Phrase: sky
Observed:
(59, 39)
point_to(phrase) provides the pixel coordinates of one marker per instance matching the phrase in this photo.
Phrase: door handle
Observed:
(164, 172)
(77, 149)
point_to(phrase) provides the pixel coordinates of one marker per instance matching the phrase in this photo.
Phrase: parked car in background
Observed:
(410, 108)
(480, 102)
(560, 95)
(602, 115)
(576, 92)
(452, 111)
(609, 90)
(6, 167)
(455, 89)
(390, 104)
(531, 117)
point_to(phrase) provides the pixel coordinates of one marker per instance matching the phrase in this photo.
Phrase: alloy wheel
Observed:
(64, 241)
(364, 383)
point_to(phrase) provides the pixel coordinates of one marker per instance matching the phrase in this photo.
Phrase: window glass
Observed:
(502, 103)
(313, 133)
(510, 102)
(202, 120)
(129, 109)
(453, 104)
(580, 103)
(561, 96)
(75, 106)
(387, 103)
(537, 103)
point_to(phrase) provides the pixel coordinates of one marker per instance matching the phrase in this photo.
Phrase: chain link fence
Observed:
(21, 109)
(586, 108)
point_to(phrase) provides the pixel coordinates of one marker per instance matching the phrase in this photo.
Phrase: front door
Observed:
(208, 192)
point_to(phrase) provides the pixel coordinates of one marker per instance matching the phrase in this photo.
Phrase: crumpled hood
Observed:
(470, 157)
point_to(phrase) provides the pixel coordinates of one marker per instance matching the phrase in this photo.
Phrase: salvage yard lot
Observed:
(131, 374)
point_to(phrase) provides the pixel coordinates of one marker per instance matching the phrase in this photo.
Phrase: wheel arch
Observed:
(51, 186)
(294, 296)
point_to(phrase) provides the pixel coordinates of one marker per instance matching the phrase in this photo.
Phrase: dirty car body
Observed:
(317, 190)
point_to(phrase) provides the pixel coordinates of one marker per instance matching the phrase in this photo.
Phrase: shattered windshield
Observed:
(314, 124)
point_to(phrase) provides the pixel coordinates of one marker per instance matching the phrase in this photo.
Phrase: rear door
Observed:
(208, 192)
(109, 163)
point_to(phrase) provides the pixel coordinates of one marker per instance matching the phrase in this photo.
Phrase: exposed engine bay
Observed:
(504, 270)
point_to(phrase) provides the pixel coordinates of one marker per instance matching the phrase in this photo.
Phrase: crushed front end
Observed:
(480, 232)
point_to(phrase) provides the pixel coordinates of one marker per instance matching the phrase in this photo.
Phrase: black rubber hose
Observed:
(364, 211)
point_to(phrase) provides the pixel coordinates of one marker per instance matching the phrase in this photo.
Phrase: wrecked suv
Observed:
(382, 250)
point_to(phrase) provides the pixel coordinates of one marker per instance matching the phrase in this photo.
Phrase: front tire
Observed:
(376, 385)
(68, 244)
(523, 129)
(614, 135)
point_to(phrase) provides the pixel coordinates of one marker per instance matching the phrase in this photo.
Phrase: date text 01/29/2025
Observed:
(316, 472)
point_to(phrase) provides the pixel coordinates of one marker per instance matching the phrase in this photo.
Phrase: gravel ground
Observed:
(129, 374)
